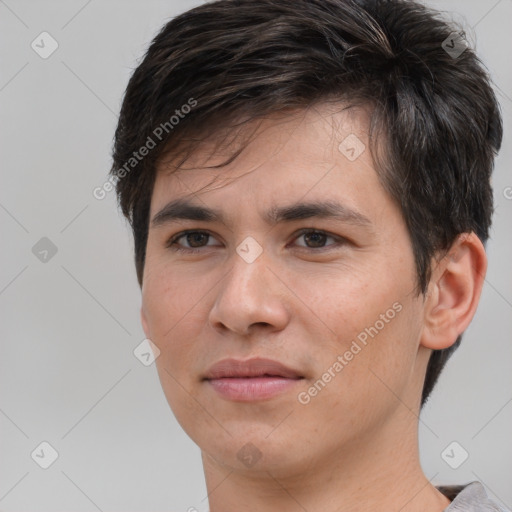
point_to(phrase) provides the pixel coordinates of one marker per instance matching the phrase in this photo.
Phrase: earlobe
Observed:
(454, 292)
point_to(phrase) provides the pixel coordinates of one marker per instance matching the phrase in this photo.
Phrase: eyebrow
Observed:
(181, 209)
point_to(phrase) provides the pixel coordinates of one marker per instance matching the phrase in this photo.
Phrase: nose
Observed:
(250, 297)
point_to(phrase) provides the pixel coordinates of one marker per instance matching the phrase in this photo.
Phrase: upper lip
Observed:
(255, 367)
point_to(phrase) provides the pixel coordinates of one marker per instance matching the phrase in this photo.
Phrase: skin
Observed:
(303, 301)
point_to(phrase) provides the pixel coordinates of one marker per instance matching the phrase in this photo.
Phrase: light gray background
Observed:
(69, 326)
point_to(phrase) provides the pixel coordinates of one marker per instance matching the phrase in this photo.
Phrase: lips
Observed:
(256, 379)
(256, 367)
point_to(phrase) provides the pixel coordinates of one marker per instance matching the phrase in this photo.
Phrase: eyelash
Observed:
(172, 242)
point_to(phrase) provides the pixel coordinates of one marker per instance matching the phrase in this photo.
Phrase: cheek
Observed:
(175, 320)
(169, 294)
(173, 310)
(371, 321)
(377, 360)
(342, 302)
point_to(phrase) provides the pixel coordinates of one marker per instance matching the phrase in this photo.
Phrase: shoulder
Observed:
(471, 497)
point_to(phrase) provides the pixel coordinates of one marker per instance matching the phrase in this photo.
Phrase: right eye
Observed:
(192, 237)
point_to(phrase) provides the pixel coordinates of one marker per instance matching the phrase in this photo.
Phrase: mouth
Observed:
(249, 389)
(254, 379)
(251, 368)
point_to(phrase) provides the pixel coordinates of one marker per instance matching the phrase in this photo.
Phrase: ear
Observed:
(144, 322)
(453, 292)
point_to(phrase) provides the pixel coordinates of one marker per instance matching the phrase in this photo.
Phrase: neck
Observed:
(373, 473)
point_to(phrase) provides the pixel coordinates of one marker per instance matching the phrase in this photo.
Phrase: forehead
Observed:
(318, 153)
(333, 120)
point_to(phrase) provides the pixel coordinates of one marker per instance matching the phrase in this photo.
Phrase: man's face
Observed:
(338, 306)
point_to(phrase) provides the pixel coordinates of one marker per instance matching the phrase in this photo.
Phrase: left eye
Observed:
(316, 237)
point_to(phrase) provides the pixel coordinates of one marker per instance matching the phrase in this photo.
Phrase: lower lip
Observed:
(253, 388)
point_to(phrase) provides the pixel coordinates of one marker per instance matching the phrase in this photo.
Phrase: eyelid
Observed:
(174, 238)
(340, 240)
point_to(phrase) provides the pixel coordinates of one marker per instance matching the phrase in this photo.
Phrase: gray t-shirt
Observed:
(469, 498)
